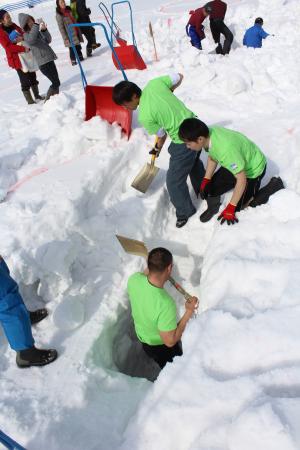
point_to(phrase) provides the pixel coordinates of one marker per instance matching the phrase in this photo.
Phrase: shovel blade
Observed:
(144, 178)
(132, 246)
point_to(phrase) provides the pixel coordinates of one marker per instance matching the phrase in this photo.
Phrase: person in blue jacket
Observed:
(254, 35)
(16, 321)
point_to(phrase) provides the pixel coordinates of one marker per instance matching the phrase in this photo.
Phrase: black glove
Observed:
(155, 151)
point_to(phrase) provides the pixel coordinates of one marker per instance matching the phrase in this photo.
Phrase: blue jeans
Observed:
(183, 163)
(195, 38)
(14, 316)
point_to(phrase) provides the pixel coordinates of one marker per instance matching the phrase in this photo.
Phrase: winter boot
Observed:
(89, 52)
(219, 49)
(96, 45)
(263, 195)
(35, 90)
(37, 315)
(51, 91)
(35, 357)
(28, 97)
(213, 205)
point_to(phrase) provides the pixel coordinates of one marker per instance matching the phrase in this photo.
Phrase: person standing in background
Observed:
(218, 27)
(27, 79)
(64, 18)
(254, 35)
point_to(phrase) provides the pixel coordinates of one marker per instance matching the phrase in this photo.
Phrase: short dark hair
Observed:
(159, 259)
(191, 129)
(124, 91)
(259, 20)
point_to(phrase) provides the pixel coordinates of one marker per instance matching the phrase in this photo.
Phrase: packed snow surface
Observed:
(65, 186)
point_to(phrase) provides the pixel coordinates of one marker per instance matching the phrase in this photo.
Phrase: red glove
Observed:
(228, 215)
(204, 188)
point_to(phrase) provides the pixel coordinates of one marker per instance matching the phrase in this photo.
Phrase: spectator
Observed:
(27, 79)
(89, 32)
(254, 35)
(64, 18)
(38, 38)
(16, 321)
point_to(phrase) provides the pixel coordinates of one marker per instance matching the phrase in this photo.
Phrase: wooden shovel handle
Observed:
(180, 289)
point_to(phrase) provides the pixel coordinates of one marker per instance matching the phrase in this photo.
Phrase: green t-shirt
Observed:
(160, 108)
(236, 152)
(153, 309)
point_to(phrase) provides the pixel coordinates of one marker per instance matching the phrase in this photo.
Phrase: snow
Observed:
(65, 186)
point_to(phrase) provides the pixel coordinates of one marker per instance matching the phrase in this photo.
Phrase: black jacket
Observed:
(82, 11)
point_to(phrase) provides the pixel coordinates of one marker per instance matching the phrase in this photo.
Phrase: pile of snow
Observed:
(65, 186)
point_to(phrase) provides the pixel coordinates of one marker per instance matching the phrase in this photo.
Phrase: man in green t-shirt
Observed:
(154, 311)
(243, 165)
(161, 113)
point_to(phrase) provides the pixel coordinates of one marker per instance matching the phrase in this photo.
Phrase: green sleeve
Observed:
(166, 79)
(235, 164)
(167, 320)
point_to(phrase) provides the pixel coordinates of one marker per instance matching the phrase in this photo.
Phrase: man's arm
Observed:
(263, 33)
(241, 182)
(211, 167)
(170, 338)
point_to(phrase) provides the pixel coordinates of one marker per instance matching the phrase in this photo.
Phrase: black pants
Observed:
(27, 79)
(217, 28)
(90, 35)
(72, 54)
(50, 71)
(163, 354)
(223, 181)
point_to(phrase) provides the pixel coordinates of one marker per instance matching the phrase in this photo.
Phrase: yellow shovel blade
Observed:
(145, 177)
(132, 246)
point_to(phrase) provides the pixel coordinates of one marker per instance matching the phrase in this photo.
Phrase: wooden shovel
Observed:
(152, 35)
(145, 177)
(138, 248)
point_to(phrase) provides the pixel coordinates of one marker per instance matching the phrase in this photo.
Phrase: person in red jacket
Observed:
(218, 27)
(194, 27)
(27, 79)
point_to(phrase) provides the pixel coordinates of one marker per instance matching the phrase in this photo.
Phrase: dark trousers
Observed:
(183, 163)
(163, 354)
(90, 35)
(50, 71)
(27, 79)
(217, 28)
(72, 54)
(223, 181)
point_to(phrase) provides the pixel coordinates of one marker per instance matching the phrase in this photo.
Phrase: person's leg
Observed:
(180, 166)
(86, 31)
(215, 31)
(26, 83)
(163, 354)
(222, 181)
(50, 71)
(228, 38)
(195, 38)
(17, 327)
(197, 173)
(72, 56)
(252, 188)
(79, 51)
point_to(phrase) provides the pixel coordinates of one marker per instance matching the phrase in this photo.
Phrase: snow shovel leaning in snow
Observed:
(138, 248)
(127, 54)
(152, 35)
(98, 99)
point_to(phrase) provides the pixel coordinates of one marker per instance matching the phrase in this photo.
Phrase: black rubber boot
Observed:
(89, 52)
(263, 195)
(28, 97)
(35, 90)
(51, 92)
(35, 357)
(37, 315)
(96, 45)
(213, 206)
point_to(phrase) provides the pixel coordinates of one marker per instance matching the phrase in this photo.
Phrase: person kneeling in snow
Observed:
(16, 321)
(243, 166)
(194, 27)
(254, 35)
(154, 310)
